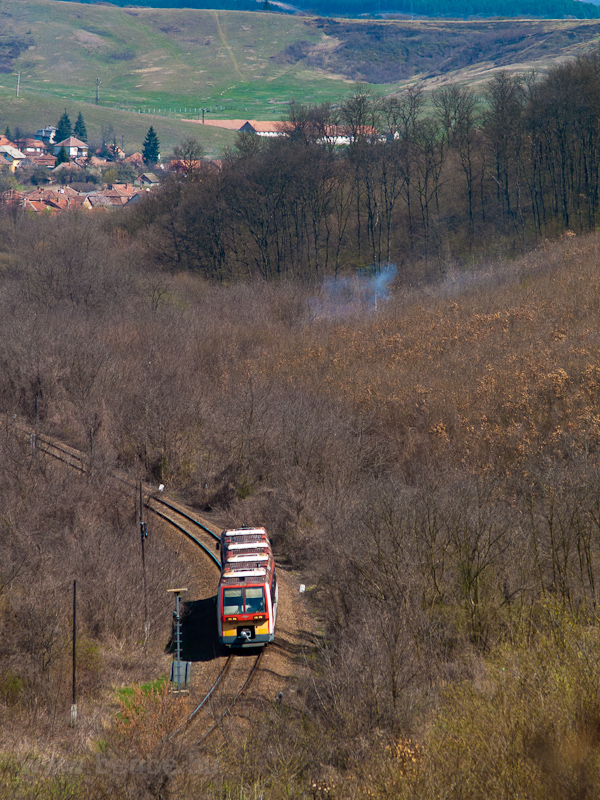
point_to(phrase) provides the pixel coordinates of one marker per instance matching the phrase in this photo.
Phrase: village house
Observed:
(136, 159)
(264, 128)
(46, 135)
(118, 194)
(10, 156)
(146, 180)
(95, 161)
(31, 147)
(52, 200)
(250, 126)
(46, 161)
(74, 147)
(70, 167)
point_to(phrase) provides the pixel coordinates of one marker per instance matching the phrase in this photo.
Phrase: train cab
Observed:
(248, 595)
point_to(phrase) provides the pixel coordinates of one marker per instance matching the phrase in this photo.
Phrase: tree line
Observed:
(549, 9)
(553, 9)
(430, 179)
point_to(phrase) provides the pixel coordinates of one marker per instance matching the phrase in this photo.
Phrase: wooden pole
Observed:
(144, 534)
(74, 697)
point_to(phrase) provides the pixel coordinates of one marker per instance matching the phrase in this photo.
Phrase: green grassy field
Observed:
(156, 67)
(161, 66)
(32, 111)
(146, 59)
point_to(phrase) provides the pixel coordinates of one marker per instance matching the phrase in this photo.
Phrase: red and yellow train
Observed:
(247, 596)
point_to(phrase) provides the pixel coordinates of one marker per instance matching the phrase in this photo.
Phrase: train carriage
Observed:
(248, 595)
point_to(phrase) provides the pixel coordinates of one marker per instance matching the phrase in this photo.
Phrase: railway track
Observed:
(204, 535)
(196, 529)
(241, 671)
(61, 452)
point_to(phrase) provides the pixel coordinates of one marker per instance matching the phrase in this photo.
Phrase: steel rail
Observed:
(184, 514)
(46, 446)
(207, 697)
(187, 533)
(235, 699)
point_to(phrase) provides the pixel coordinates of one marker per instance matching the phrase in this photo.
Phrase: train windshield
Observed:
(250, 600)
(233, 601)
(255, 599)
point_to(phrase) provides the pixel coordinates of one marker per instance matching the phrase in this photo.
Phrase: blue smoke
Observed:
(365, 291)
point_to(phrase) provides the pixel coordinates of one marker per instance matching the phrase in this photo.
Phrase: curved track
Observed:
(180, 518)
(201, 532)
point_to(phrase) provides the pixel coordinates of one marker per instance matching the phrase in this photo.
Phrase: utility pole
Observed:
(74, 698)
(144, 536)
(91, 448)
(18, 82)
(97, 91)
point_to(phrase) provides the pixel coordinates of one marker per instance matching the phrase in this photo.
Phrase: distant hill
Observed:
(381, 54)
(242, 64)
(161, 66)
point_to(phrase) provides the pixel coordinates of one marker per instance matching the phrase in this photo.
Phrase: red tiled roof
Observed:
(134, 158)
(98, 162)
(71, 141)
(42, 161)
(28, 142)
(229, 124)
(236, 124)
(268, 127)
(125, 188)
(40, 205)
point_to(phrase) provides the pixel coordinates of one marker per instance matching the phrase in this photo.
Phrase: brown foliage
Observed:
(429, 465)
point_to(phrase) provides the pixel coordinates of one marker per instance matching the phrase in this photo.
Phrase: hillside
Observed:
(170, 63)
(428, 469)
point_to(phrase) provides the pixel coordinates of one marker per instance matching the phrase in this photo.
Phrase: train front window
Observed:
(233, 601)
(255, 600)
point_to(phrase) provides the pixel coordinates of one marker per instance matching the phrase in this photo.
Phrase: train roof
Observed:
(245, 573)
(244, 532)
(247, 545)
(244, 535)
(247, 557)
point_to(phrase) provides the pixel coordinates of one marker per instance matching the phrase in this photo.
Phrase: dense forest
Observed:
(424, 453)
(547, 9)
